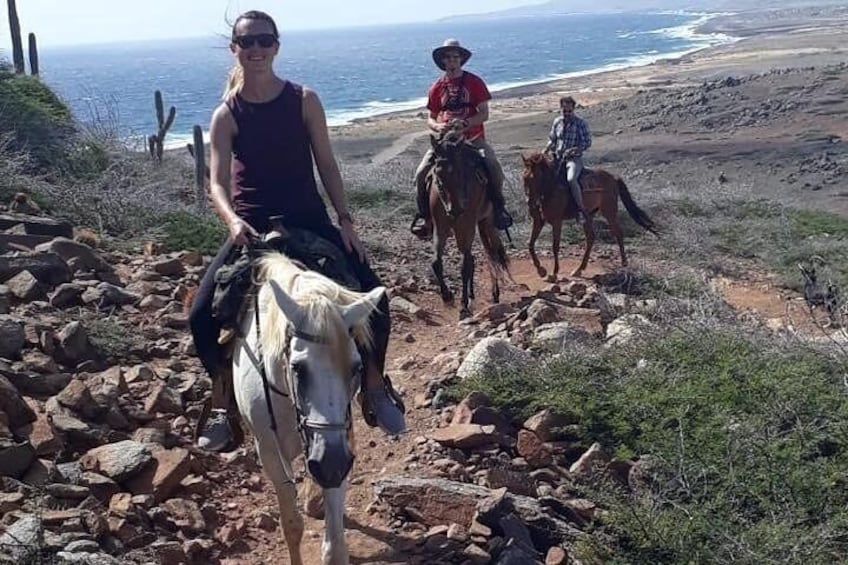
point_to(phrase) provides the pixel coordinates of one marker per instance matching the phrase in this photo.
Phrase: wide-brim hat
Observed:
(450, 45)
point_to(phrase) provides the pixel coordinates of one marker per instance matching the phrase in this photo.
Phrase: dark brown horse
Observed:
(549, 200)
(459, 204)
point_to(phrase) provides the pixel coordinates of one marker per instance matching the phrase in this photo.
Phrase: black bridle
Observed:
(304, 424)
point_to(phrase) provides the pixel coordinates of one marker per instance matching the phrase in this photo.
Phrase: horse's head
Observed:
(448, 173)
(537, 174)
(311, 335)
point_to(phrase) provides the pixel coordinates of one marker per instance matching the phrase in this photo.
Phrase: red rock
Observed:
(533, 450)
(162, 477)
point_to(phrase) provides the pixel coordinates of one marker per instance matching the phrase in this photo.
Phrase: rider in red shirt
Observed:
(458, 99)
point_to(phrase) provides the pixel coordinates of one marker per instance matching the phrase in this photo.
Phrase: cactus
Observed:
(201, 170)
(17, 44)
(33, 55)
(156, 142)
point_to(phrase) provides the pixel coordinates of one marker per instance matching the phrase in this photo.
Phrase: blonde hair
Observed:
(235, 80)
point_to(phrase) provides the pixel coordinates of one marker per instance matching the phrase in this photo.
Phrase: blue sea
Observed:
(358, 72)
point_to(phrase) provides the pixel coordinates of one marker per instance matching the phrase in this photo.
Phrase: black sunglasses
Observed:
(265, 40)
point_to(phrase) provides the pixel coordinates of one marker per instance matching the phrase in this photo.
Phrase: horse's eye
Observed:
(358, 369)
(299, 368)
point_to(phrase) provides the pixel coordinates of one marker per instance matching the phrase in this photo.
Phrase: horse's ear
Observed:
(358, 311)
(292, 310)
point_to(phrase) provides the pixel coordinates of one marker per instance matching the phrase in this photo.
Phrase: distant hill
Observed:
(604, 6)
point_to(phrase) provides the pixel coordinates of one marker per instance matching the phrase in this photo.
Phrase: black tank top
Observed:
(272, 168)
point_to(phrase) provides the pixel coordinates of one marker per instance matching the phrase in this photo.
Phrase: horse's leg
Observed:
(556, 241)
(334, 549)
(279, 473)
(313, 499)
(440, 240)
(491, 244)
(538, 224)
(467, 276)
(615, 228)
(471, 280)
(589, 231)
(275, 451)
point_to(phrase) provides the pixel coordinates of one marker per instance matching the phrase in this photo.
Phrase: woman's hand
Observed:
(351, 239)
(241, 232)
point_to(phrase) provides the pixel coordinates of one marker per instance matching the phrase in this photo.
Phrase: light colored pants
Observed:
(573, 168)
(495, 170)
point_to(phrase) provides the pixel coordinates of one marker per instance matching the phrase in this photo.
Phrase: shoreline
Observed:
(701, 38)
(761, 41)
(697, 28)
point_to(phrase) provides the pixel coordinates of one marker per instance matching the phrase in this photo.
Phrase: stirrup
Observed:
(503, 221)
(368, 413)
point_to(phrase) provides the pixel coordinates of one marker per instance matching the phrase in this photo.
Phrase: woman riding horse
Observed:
(263, 139)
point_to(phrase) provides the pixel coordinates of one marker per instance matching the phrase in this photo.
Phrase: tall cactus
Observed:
(17, 44)
(33, 55)
(201, 170)
(156, 142)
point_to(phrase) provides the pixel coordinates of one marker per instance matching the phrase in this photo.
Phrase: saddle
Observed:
(235, 280)
(235, 284)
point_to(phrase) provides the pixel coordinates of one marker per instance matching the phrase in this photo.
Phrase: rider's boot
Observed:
(422, 225)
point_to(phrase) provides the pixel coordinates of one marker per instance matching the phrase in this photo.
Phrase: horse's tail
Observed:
(638, 215)
(495, 251)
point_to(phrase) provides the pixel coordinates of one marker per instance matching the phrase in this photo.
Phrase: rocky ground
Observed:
(99, 386)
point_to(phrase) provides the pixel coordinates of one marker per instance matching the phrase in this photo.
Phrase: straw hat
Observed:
(450, 45)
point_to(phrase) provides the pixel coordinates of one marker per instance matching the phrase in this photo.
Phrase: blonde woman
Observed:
(264, 137)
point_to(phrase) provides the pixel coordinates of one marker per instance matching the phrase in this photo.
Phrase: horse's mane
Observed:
(540, 163)
(319, 296)
(537, 159)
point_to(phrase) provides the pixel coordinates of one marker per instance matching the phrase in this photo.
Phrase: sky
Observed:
(70, 22)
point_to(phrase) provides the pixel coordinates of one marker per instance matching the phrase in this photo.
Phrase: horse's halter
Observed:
(450, 155)
(304, 424)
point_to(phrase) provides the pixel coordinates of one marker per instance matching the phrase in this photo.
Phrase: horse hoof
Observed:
(577, 273)
(465, 314)
(447, 297)
(551, 278)
(543, 272)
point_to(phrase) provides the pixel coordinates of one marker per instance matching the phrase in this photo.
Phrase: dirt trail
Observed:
(414, 344)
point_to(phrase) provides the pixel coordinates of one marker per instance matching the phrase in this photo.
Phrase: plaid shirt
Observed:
(567, 136)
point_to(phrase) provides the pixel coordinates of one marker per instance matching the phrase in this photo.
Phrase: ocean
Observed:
(358, 72)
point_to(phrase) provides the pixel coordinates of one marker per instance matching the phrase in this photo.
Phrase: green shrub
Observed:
(38, 121)
(748, 440)
(111, 338)
(193, 232)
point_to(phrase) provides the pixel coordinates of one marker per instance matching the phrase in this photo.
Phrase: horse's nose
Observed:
(329, 461)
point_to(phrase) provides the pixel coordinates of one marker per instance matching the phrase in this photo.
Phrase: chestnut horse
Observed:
(460, 204)
(549, 200)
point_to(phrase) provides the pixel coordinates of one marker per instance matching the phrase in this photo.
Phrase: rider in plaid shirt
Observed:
(569, 138)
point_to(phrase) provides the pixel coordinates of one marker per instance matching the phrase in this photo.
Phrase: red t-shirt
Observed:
(458, 99)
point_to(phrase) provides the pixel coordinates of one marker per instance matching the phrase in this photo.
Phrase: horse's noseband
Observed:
(304, 424)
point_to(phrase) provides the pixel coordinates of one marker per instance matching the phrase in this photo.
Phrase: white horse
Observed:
(308, 331)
